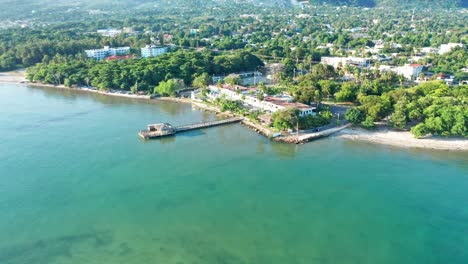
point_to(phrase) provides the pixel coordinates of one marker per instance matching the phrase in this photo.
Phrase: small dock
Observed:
(306, 137)
(325, 133)
(165, 129)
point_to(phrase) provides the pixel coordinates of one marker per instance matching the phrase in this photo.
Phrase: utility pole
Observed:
(255, 75)
(297, 131)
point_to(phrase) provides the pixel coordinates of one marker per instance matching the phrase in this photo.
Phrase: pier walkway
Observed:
(165, 129)
(208, 124)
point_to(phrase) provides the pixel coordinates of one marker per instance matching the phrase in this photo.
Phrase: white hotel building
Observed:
(100, 54)
(152, 51)
(109, 32)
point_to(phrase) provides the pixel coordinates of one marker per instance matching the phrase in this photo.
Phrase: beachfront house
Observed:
(248, 97)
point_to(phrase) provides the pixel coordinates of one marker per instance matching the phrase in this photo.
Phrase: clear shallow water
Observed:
(77, 186)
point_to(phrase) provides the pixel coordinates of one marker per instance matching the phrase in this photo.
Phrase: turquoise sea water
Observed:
(78, 186)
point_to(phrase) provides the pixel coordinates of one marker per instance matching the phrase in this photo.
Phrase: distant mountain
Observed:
(395, 3)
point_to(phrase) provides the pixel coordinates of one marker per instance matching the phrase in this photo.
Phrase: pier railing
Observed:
(208, 124)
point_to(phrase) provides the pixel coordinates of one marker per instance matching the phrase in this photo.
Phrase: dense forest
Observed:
(141, 74)
(429, 108)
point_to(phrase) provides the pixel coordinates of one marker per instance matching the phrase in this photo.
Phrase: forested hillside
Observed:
(396, 3)
(74, 10)
(21, 9)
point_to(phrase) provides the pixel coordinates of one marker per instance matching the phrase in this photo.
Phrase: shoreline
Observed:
(382, 136)
(89, 90)
(403, 139)
(17, 76)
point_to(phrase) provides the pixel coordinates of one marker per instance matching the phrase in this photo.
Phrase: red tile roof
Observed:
(115, 57)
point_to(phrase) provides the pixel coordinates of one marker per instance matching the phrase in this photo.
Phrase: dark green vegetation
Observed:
(395, 3)
(272, 33)
(144, 74)
(452, 62)
(67, 9)
(23, 48)
(364, 3)
(429, 108)
(290, 119)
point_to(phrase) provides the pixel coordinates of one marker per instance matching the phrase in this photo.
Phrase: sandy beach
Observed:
(18, 76)
(403, 139)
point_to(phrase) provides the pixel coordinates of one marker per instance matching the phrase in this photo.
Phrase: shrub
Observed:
(368, 123)
(419, 130)
(354, 115)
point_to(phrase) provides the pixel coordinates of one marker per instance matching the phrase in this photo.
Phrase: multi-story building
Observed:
(429, 50)
(410, 71)
(109, 32)
(342, 61)
(152, 51)
(100, 54)
(270, 103)
(445, 48)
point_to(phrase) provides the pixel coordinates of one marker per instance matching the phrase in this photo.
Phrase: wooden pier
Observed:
(165, 129)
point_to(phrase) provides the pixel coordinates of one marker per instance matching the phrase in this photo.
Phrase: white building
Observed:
(100, 54)
(429, 50)
(376, 49)
(380, 58)
(445, 48)
(270, 103)
(152, 51)
(447, 79)
(410, 71)
(247, 78)
(342, 61)
(109, 32)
